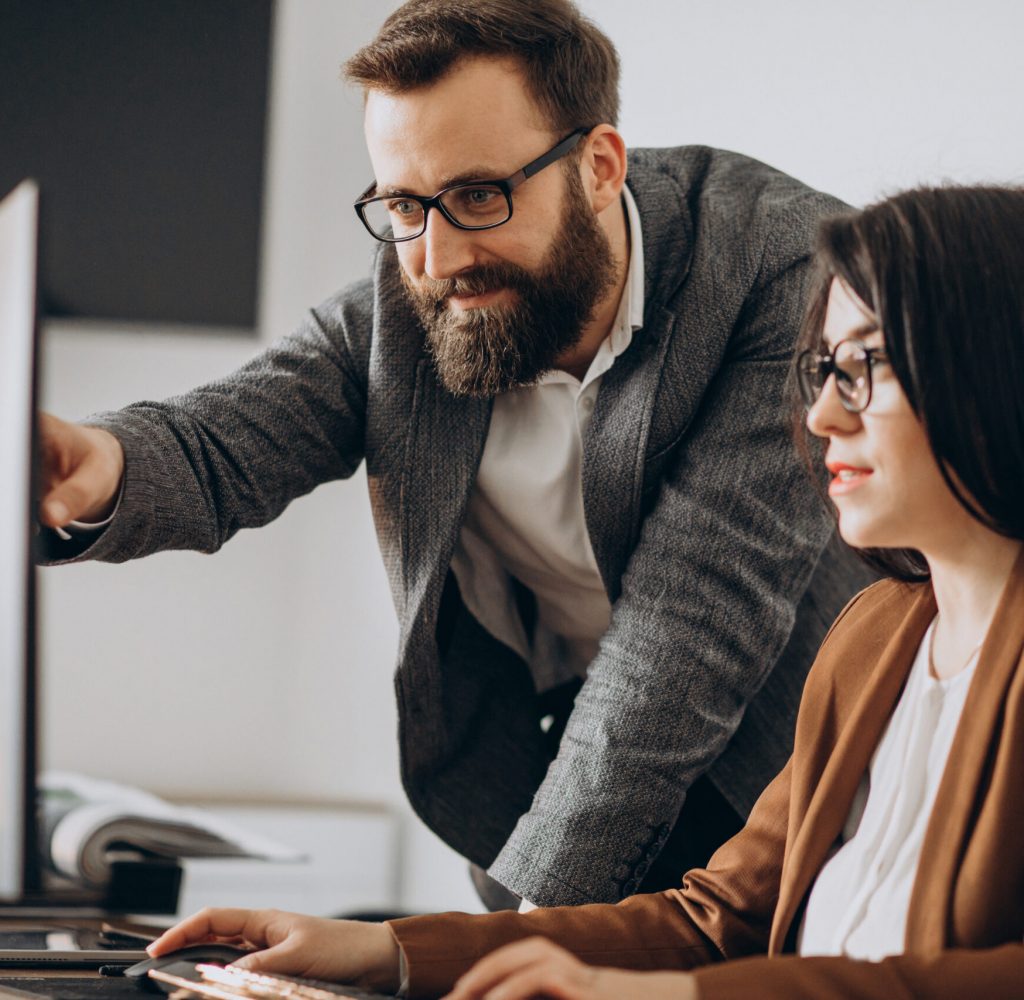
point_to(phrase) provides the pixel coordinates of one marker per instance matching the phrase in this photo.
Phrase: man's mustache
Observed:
(479, 281)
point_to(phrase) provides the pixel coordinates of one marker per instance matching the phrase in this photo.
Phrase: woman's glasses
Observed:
(851, 362)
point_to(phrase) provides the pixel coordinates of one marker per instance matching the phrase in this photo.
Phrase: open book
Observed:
(85, 823)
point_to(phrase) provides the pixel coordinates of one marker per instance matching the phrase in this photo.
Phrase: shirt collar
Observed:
(630, 316)
(634, 291)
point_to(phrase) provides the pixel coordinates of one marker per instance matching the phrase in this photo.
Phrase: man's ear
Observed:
(603, 166)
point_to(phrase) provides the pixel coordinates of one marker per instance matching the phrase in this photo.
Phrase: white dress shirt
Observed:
(525, 518)
(858, 906)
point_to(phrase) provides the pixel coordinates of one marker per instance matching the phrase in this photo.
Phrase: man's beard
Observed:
(489, 350)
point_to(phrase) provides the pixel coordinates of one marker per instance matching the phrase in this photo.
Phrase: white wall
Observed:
(856, 98)
(265, 671)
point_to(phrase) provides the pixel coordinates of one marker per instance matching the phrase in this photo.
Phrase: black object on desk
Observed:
(148, 886)
(70, 988)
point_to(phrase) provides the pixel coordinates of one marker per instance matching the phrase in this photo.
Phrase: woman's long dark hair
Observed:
(942, 270)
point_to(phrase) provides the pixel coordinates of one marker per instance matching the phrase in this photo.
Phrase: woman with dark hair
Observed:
(887, 859)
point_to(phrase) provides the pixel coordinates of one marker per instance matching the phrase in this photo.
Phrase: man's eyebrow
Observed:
(476, 174)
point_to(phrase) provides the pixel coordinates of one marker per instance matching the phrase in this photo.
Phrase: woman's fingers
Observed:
(505, 973)
(216, 923)
(548, 978)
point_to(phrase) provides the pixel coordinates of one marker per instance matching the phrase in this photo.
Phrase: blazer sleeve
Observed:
(993, 973)
(234, 453)
(708, 601)
(721, 912)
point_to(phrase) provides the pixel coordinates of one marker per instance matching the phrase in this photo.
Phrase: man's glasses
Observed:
(851, 363)
(471, 205)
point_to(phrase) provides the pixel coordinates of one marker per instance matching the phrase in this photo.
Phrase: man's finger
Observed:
(72, 500)
(54, 512)
(84, 495)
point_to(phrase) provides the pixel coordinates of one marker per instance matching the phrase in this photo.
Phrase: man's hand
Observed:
(82, 470)
(345, 951)
(537, 968)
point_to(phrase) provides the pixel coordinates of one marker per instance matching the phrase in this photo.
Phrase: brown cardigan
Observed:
(965, 926)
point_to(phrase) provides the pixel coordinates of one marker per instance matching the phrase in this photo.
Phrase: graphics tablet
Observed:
(62, 947)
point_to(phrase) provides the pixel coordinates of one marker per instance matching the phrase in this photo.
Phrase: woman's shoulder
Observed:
(854, 644)
(885, 600)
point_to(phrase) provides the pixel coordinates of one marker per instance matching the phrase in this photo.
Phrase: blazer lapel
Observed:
(615, 449)
(948, 831)
(445, 443)
(814, 834)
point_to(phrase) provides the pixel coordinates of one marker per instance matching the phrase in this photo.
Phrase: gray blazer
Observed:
(705, 526)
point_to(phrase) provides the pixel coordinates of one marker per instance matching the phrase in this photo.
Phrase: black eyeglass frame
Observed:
(826, 366)
(506, 185)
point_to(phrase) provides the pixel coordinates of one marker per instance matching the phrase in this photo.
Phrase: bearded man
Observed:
(566, 377)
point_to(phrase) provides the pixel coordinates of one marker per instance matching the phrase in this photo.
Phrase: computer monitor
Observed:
(19, 213)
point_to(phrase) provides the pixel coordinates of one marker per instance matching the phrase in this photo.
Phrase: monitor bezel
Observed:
(29, 861)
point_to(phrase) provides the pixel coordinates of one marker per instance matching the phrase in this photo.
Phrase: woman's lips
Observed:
(846, 478)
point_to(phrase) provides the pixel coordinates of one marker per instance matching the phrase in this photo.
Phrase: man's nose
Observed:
(828, 416)
(447, 250)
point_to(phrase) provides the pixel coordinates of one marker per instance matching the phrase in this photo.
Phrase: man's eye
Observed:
(478, 199)
(403, 208)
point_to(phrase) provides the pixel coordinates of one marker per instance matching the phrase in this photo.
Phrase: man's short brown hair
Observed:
(570, 65)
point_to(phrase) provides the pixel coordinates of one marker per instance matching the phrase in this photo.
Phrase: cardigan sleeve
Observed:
(992, 973)
(721, 912)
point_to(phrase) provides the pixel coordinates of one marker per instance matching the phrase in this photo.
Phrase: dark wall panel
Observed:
(144, 122)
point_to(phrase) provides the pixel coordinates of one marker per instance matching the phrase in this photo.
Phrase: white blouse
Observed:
(858, 905)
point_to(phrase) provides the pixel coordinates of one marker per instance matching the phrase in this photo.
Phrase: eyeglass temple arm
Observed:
(371, 190)
(565, 146)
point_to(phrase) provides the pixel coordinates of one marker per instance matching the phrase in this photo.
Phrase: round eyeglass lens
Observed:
(477, 206)
(809, 376)
(853, 378)
(394, 218)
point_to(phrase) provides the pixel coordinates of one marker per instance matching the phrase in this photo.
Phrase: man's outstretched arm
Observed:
(192, 470)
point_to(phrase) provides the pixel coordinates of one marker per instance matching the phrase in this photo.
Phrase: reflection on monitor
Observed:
(18, 257)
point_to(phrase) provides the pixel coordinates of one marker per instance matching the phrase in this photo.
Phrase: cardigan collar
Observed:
(950, 822)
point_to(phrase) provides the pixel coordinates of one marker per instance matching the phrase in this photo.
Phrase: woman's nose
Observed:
(828, 416)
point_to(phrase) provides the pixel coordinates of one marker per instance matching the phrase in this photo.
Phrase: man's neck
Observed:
(577, 360)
